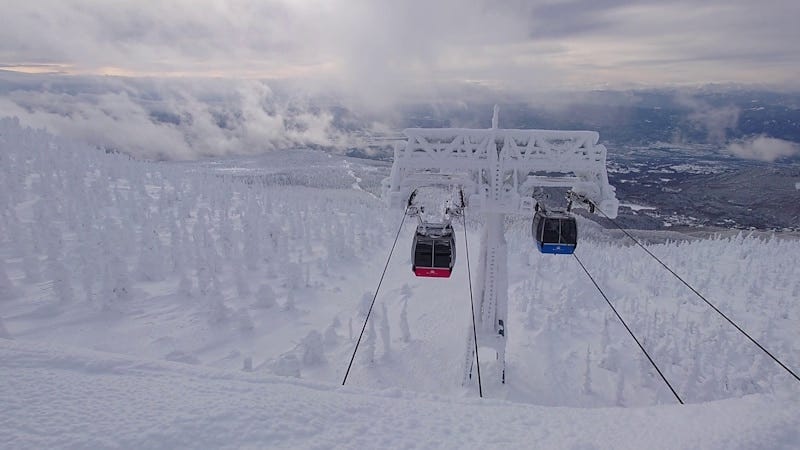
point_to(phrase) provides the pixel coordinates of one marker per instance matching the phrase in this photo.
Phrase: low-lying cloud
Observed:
(179, 120)
(716, 120)
(763, 148)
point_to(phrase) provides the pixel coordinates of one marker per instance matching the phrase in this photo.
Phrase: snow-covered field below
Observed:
(217, 304)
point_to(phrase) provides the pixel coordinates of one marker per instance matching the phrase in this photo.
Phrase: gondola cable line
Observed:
(702, 297)
(371, 305)
(641, 347)
(472, 304)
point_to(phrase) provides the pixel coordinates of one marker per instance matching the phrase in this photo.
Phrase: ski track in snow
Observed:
(160, 261)
(356, 179)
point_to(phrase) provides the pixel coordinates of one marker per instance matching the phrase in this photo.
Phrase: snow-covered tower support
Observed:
(498, 169)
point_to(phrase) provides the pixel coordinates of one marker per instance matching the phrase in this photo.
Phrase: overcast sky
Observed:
(369, 54)
(386, 48)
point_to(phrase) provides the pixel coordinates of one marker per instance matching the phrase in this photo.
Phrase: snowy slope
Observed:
(61, 397)
(269, 264)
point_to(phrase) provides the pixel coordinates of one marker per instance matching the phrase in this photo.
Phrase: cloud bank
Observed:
(716, 120)
(763, 148)
(170, 120)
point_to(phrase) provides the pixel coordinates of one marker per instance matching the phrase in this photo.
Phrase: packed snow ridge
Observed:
(183, 305)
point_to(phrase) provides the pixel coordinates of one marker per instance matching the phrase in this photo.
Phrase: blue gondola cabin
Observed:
(555, 232)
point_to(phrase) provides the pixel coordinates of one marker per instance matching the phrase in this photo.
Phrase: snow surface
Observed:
(217, 304)
(61, 397)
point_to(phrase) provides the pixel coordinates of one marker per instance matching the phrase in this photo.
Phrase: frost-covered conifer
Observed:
(203, 275)
(218, 312)
(369, 342)
(385, 334)
(350, 329)
(330, 335)
(313, 349)
(692, 378)
(364, 305)
(151, 259)
(116, 281)
(322, 267)
(587, 373)
(251, 239)
(287, 365)
(290, 302)
(265, 298)
(175, 247)
(200, 235)
(185, 285)
(54, 246)
(242, 287)
(294, 276)
(404, 330)
(644, 370)
(605, 338)
(620, 390)
(226, 234)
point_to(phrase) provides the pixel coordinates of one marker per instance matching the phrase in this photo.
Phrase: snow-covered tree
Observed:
(151, 258)
(404, 329)
(185, 285)
(116, 282)
(586, 387)
(364, 305)
(620, 390)
(385, 333)
(290, 302)
(265, 298)
(287, 365)
(313, 349)
(330, 336)
(369, 343)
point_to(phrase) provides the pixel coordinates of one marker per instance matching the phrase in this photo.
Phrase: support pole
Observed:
(493, 277)
(494, 297)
